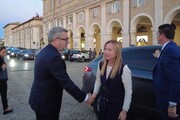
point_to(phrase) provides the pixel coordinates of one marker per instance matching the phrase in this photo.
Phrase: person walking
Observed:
(51, 77)
(166, 74)
(113, 83)
(90, 54)
(94, 53)
(3, 83)
(70, 54)
(100, 52)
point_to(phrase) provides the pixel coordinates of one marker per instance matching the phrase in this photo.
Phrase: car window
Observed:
(140, 58)
(85, 51)
(76, 52)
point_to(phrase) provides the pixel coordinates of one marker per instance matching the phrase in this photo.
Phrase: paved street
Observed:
(19, 84)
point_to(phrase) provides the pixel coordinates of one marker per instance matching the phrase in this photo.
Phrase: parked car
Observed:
(80, 56)
(10, 49)
(26, 54)
(14, 52)
(141, 62)
(65, 54)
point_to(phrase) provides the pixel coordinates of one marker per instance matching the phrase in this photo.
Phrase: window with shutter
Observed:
(60, 22)
(116, 6)
(108, 8)
(69, 19)
(140, 3)
(133, 3)
(95, 12)
(80, 16)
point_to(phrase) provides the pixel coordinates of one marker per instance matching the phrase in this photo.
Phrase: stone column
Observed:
(154, 36)
(158, 17)
(64, 21)
(90, 41)
(125, 28)
(76, 42)
(86, 18)
(108, 37)
(103, 25)
(133, 37)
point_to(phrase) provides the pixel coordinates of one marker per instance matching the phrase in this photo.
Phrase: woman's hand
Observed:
(122, 115)
(3, 66)
(93, 97)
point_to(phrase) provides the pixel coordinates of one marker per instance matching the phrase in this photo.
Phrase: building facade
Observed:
(91, 23)
(8, 36)
(1, 42)
(26, 35)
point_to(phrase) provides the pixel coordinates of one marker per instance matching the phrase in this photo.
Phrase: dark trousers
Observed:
(49, 116)
(3, 92)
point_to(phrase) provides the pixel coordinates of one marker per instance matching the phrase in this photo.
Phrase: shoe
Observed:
(8, 111)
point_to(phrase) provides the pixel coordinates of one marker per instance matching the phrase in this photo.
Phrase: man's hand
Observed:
(156, 53)
(172, 112)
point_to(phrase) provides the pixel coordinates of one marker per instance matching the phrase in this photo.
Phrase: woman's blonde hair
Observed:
(118, 59)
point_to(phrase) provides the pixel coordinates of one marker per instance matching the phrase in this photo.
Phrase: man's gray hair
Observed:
(55, 32)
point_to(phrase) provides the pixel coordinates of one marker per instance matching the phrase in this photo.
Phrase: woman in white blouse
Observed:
(113, 83)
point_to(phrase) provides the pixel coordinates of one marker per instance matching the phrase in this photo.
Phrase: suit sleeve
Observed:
(57, 68)
(172, 68)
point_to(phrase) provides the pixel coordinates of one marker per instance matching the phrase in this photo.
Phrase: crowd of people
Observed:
(113, 79)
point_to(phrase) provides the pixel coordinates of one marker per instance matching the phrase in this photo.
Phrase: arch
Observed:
(92, 28)
(134, 24)
(79, 29)
(135, 20)
(80, 33)
(70, 29)
(111, 24)
(171, 14)
(70, 34)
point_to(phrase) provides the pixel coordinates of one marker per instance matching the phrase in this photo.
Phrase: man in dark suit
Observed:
(50, 78)
(166, 74)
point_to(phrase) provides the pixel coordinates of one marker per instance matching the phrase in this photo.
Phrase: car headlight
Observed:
(63, 57)
(12, 53)
(26, 55)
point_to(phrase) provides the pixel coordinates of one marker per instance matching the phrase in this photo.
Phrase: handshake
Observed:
(90, 99)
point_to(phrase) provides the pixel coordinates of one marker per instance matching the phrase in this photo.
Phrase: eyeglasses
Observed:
(64, 39)
(159, 33)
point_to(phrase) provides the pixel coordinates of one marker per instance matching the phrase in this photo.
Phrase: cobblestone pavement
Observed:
(19, 85)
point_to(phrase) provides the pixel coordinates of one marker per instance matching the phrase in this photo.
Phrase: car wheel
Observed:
(82, 59)
(96, 105)
(17, 57)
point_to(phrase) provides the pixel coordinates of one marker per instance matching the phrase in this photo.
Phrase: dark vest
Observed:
(112, 90)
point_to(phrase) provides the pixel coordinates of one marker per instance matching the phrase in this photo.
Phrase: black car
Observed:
(11, 49)
(141, 62)
(14, 52)
(65, 54)
(26, 54)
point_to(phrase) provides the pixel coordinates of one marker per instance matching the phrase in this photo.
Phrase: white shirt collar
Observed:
(165, 45)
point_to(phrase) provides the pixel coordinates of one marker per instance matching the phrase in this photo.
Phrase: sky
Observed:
(18, 11)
